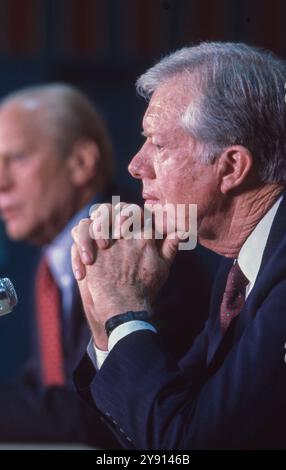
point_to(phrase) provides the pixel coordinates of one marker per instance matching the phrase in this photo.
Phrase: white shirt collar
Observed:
(250, 255)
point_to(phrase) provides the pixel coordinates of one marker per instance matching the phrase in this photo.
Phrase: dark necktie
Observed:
(48, 302)
(234, 296)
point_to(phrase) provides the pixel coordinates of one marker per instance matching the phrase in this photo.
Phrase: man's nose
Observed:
(5, 176)
(140, 166)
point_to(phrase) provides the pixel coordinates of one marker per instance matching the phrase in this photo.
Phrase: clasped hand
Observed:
(115, 276)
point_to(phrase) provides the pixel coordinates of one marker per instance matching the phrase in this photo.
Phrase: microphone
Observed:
(8, 296)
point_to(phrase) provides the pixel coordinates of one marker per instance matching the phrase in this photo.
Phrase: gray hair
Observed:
(239, 99)
(68, 116)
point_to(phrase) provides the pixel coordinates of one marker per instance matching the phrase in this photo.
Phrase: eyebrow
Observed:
(152, 135)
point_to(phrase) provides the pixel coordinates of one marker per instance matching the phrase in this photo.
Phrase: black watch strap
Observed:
(117, 320)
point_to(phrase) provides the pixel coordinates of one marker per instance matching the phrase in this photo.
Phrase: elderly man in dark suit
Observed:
(55, 162)
(215, 135)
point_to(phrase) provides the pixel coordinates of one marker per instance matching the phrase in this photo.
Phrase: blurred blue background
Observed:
(101, 46)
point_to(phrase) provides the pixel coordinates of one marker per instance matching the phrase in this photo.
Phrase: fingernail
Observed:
(78, 274)
(86, 257)
(105, 243)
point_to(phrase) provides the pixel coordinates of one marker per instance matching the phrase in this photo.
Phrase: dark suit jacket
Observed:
(226, 393)
(31, 413)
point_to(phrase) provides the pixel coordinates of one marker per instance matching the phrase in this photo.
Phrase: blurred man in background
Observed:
(55, 162)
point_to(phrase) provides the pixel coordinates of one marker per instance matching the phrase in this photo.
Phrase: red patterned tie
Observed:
(234, 296)
(48, 304)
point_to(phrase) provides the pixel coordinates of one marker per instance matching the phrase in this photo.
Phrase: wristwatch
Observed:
(117, 320)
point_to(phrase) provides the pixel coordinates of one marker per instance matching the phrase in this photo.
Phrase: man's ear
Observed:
(83, 162)
(233, 167)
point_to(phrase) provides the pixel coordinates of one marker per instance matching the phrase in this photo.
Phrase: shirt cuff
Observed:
(125, 329)
(97, 356)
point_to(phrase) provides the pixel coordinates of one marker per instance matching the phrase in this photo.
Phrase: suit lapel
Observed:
(276, 235)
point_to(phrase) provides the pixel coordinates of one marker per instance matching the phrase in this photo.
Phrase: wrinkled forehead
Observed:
(167, 106)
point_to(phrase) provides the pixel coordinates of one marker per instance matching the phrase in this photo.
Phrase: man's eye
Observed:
(159, 147)
(18, 157)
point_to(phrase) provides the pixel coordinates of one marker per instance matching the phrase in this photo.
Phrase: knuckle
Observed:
(84, 222)
(101, 209)
(74, 232)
